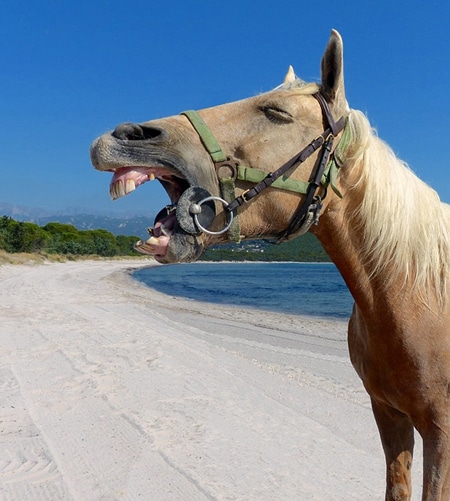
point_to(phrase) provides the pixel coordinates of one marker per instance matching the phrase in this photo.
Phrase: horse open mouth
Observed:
(127, 179)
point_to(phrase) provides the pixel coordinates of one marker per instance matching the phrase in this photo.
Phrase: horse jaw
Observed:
(170, 152)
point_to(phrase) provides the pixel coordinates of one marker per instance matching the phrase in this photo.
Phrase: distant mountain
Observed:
(305, 248)
(22, 213)
(135, 226)
(127, 225)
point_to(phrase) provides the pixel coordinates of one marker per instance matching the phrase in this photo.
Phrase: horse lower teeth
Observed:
(165, 231)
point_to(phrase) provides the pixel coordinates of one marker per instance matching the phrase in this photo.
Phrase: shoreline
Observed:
(206, 305)
(114, 391)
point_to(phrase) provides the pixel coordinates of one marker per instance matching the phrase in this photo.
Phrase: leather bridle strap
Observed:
(334, 128)
(324, 141)
(226, 169)
(273, 176)
(309, 210)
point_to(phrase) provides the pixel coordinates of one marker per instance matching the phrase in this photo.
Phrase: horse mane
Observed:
(405, 226)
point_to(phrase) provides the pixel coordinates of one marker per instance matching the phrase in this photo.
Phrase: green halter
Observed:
(228, 169)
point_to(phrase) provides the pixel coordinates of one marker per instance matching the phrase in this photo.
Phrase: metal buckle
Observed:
(227, 168)
(195, 209)
(319, 137)
(244, 193)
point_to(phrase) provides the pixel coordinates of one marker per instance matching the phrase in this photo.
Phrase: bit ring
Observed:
(194, 209)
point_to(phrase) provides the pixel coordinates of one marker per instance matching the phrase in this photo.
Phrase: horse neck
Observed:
(389, 234)
(338, 241)
(343, 242)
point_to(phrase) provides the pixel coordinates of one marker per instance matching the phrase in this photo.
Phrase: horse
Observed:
(299, 159)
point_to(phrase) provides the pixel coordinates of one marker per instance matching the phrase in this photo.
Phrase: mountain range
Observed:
(128, 224)
(306, 248)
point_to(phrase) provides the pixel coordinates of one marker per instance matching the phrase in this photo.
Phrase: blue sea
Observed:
(315, 289)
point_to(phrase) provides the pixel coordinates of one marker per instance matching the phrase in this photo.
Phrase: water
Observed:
(315, 289)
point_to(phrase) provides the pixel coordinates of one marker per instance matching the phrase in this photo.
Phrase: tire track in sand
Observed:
(27, 470)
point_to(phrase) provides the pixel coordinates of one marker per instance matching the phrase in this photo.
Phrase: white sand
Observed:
(110, 391)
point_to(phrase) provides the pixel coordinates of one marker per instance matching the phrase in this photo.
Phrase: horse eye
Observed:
(277, 115)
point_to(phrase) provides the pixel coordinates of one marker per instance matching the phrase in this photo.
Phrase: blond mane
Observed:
(406, 227)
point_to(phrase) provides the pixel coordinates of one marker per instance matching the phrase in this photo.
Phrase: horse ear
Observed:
(290, 75)
(333, 69)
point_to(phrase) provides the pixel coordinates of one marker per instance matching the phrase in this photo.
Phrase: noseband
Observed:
(229, 169)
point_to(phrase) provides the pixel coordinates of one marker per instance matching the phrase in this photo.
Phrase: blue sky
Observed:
(69, 71)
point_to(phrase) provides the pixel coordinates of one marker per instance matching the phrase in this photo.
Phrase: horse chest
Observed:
(400, 366)
(382, 361)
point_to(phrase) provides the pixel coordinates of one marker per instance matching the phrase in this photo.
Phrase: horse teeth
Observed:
(120, 189)
(117, 190)
(130, 186)
(165, 231)
(148, 246)
(151, 176)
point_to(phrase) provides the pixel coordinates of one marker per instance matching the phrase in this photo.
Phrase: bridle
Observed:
(196, 208)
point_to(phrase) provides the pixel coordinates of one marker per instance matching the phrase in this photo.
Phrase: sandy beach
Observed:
(112, 391)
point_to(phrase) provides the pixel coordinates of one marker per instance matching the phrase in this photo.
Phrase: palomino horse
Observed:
(271, 166)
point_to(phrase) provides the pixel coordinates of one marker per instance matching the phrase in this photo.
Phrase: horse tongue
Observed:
(164, 227)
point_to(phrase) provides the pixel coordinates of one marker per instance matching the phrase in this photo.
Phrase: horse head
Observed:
(256, 135)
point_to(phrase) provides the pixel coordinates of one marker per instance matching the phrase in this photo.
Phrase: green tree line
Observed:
(58, 238)
(302, 249)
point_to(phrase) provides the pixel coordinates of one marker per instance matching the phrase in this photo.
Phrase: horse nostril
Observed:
(128, 131)
(135, 132)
